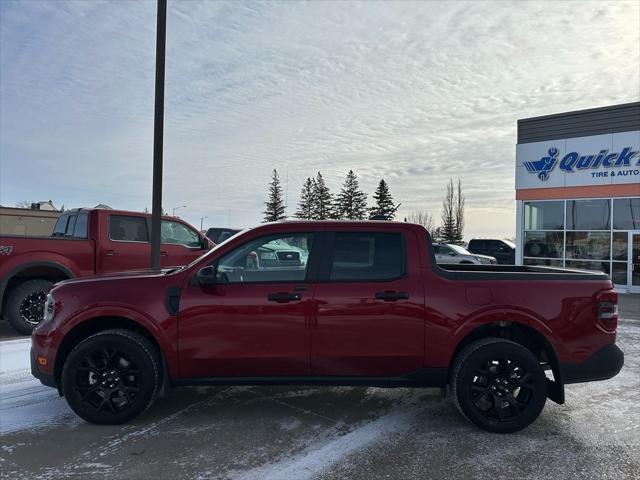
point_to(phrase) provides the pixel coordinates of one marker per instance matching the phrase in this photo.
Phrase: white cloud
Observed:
(417, 92)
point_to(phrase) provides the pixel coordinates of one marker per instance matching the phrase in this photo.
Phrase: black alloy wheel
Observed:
(25, 304)
(111, 377)
(499, 385)
(32, 308)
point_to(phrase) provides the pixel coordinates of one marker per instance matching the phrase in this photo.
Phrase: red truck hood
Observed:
(148, 273)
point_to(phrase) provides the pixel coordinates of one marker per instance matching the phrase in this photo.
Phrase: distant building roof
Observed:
(102, 205)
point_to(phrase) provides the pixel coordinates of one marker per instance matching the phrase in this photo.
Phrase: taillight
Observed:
(607, 309)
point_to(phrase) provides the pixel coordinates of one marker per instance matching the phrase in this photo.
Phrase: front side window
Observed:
(367, 257)
(128, 229)
(274, 258)
(179, 234)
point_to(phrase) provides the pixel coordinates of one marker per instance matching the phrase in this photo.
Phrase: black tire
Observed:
(25, 305)
(498, 385)
(111, 377)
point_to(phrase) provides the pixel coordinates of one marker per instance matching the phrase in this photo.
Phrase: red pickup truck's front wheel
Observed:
(499, 385)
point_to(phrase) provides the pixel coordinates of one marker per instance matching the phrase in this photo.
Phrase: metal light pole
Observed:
(176, 208)
(158, 128)
(202, 220)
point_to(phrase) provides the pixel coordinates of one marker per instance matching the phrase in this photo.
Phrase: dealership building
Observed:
(578, 192)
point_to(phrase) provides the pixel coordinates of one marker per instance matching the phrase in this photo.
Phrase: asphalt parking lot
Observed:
(321, 433)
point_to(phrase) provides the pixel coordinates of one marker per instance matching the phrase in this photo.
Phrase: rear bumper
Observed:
(602, 365)
(47, 380)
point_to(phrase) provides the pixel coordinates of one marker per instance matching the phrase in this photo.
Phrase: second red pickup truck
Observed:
(330, 303)
(84, 242)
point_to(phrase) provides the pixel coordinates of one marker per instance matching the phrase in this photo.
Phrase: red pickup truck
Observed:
(84, 242)
(336, 303)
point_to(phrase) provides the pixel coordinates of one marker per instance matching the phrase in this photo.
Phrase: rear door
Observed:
(124, 243)
(370, 306)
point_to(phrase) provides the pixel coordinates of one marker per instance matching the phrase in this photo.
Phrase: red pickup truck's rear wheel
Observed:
(499, 385)
(25, 305)
(111, 377)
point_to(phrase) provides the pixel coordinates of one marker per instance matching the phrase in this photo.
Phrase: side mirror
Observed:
(210, 276)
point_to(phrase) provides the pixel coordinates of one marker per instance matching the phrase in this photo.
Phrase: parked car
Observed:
(219, 235)
(85, 242)
(366, 305)
(446, 253)
(503, 251)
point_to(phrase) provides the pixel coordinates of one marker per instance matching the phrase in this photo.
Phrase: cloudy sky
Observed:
(412, 92)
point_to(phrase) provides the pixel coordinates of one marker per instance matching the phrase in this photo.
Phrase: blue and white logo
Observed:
(543, 166)
(573, 162)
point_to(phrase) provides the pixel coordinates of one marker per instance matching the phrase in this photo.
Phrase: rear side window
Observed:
(82, 223)
(71, 225)
(128, 229)
(367, 257)
(61, 225)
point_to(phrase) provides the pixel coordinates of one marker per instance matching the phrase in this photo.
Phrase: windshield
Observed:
(459, 249)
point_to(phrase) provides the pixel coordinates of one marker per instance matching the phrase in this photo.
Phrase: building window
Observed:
(544, 216)
(588, 265)
(543, 244)
(588, 245)
(588, 214)
(626, 214)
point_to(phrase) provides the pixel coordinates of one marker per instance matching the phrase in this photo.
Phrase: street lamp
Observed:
(201, 220)
(176, 208)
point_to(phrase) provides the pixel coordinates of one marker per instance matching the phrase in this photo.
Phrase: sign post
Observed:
(158, 127)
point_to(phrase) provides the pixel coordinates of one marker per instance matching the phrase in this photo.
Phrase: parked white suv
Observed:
(446, 253)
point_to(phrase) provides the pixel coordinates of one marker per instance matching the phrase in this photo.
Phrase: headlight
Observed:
(49, 308)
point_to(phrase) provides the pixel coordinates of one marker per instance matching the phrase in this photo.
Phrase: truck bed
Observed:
(512, 272)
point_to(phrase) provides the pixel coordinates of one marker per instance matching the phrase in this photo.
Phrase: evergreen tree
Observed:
(322, 200)
(305, 205)
(384, 206)
(351, 202)
(275, 208)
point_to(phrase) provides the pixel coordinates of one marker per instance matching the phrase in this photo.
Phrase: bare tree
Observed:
(459, 213)
(422, 218)
(23, 204)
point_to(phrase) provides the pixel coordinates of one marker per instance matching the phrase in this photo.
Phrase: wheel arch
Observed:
(99, 323)
(525, 332)
(46, 270)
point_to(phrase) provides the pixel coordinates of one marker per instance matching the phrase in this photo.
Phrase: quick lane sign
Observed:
(573, 161)
(596, 160)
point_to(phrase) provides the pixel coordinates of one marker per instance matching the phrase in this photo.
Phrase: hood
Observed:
(142, 273)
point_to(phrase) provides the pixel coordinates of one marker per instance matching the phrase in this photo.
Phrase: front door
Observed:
(370, 307)
(634, 263)
(254, 321)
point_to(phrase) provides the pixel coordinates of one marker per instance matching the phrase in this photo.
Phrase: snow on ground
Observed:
(24, 402)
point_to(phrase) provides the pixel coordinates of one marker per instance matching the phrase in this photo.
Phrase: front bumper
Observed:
(602, 365)
(47, 380)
